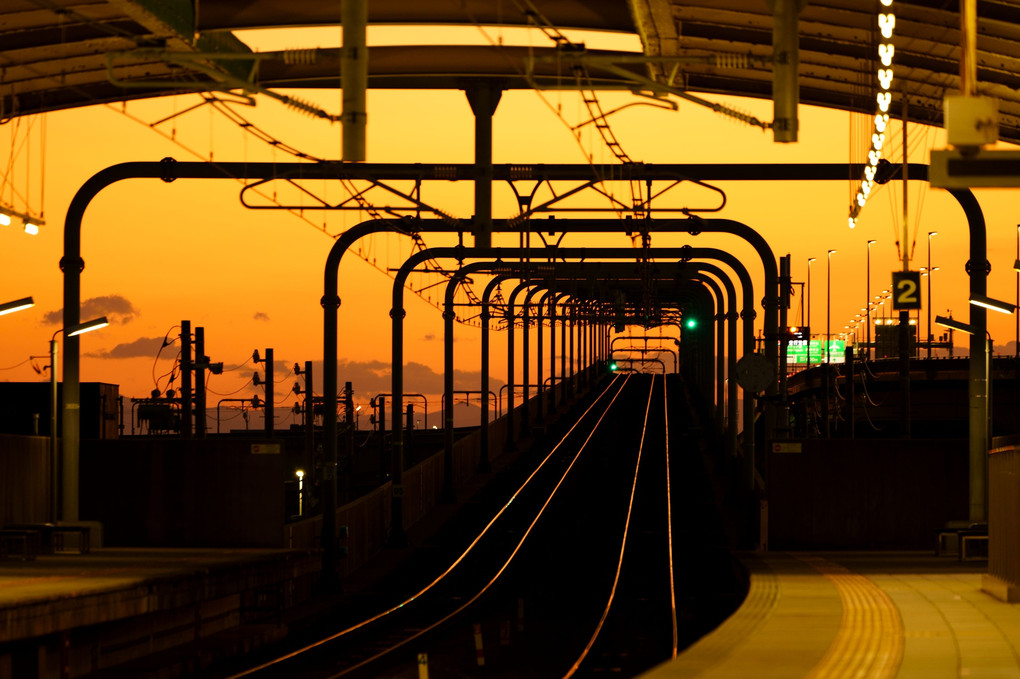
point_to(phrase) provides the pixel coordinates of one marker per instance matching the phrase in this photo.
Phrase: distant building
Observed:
(25, 409)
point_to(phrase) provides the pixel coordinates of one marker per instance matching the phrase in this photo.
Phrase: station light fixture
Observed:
(993, 304)
(88, 326)
(16, 305)
(954, 324)
(32, 224)
(886, 50)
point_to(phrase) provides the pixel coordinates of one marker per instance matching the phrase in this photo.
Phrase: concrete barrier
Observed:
(1003, 577)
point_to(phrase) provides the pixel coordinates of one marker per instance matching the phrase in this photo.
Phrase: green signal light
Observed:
(612, 367)
(691, 323)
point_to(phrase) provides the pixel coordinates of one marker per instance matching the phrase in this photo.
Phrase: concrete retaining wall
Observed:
(874, 494)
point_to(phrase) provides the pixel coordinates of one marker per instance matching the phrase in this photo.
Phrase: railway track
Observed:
(580, 571)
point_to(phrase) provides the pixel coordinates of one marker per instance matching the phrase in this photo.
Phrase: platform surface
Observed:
(859, 614)
(106, 584)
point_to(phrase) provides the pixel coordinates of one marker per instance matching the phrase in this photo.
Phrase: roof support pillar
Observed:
(484, 99)
(785, 64)
(354, 78)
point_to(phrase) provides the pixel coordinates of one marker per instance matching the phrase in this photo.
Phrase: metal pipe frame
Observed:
(647, 350)
(458, 278)
(169, 170)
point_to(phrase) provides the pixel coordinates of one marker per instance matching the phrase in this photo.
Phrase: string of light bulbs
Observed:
(886, 26)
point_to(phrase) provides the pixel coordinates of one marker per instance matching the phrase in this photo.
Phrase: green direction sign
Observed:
(797, 351)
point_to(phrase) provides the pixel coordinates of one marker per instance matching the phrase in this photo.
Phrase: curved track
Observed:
(602, 557)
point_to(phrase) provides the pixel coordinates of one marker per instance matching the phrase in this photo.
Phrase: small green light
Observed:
(691, 323)
(612, 366)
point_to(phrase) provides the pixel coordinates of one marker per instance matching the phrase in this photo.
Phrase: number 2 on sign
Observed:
(906, 293)
(906, 290)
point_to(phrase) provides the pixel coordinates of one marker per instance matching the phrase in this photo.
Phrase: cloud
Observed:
(117, 308)
(143, 346)
(374, 377)
(261, 316)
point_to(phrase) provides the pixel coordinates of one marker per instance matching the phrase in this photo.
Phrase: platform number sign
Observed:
(906, 290)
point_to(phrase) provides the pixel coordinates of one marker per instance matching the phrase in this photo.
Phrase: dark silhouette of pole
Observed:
(828, 302)
(810, 259)
(186, 379)
(309, 419)
(201, 363)
(867, 307)
(930, 335)
(270, 408)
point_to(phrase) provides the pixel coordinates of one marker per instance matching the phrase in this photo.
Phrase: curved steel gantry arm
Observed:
(731, 316)
(567, 271)
(169, 170)
(720, 344)
(747, 315)
(554, 301)
(977, 270)
(539, 288)
(511, 429)
(648, 350)
(483, 462)
(397, 313)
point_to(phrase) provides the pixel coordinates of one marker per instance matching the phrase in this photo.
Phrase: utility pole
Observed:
(200, 364)
(186, 379)
(269, 409)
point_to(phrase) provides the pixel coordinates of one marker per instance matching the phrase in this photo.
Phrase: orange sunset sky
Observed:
(157, 253)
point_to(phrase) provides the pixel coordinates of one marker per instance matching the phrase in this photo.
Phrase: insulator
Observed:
(300, 56)
(306, 107)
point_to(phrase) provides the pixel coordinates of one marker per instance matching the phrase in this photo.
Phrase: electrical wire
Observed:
(239, 366)
(17, 365)
(166, 342)
(229, 393)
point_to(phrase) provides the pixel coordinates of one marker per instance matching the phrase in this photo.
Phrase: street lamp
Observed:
(71, 331)
(828, 300)
(993, 304)
(967, 328)
(16, 305)
(930, 234)
(867, 348)
(811, 259)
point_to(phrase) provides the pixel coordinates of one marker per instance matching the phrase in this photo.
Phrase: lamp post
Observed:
(71, 331)
(930, 336)
(810, 259)
(828, 300)
(867, 348)
(16, 305)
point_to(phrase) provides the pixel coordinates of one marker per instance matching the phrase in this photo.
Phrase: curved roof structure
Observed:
(58, 54)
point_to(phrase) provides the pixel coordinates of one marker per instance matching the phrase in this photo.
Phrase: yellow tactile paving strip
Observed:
(757, 607)
(870, 638)
(859, 615)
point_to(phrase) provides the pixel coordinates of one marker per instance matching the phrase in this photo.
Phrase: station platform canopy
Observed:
(57, 54)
